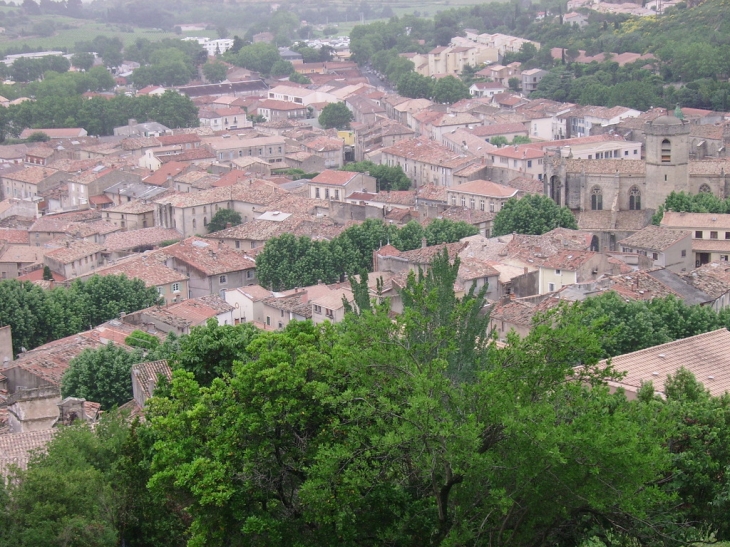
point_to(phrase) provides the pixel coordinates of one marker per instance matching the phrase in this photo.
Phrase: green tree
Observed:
(415, 86)
(83, 60)
(47, 274)
(449, 90)
(141, 339)
(386, 177)
(519, 139)
(299, 78)
(422, 435)
(514, 84)
(222, 219)
(499, 141)
(260, 57)
(282, 68)
(210, 351)
(335, 115)
(534, 214)
(88, 488)
(102, 375)
(38, 136)
(215, 72)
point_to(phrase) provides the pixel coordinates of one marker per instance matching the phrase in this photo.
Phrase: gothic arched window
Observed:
(634, 199)
(597, 198)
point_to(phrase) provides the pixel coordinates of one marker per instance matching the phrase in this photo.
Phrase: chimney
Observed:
(424, 243)
(132, 121)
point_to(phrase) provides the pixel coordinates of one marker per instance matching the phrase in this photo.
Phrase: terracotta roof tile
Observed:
(155, 235)
(654, 238)
(17, 449)
(706, 355)
(75, 250)
(207, 256)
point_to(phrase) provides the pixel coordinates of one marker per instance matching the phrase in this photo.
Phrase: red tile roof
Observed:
(171, 169)
(339, 178)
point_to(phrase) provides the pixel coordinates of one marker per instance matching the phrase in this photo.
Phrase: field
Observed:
(69, 30)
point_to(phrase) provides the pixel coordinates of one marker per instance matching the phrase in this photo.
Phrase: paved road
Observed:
(377, 82)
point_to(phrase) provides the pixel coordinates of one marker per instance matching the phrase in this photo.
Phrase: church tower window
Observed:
(596, 199)
(634, 199)
(666, 151)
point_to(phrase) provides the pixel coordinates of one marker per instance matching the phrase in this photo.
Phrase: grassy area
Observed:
(81, 30)
(69, 30)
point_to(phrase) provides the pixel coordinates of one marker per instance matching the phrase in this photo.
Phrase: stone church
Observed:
(613, 198)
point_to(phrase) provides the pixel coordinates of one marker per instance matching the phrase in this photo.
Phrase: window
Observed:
(195, 224)
(551, 287)
(597, 199)
(666, 151)
(205, 221)
(557, 272)
(316, 193)
(328, 312)
(655, 256)
(529, 163)
(723, 258)
(281, 325)
(698, 234)
(223, 280)
(491, 206)
(713, 235)
(472, 203)
(705, 189)
(326, 193)
(175, 287)
(453, 200)
(727, 235)
(253, 244)
(249, 274)
(238, 244)
(282, 313)
(626, 152)
(684, 252)
(337, 194)
(268, 321)
(463, 201)
(634, 199)
(317, 309)
(481, 205)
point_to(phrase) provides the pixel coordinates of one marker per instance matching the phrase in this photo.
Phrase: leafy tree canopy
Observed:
(102, 375)
(387, 178)
(335, 115)
(534, 214)
(222, 218)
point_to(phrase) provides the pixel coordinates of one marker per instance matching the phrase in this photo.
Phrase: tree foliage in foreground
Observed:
(534, 215)
(310, 261)
(386, 431)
